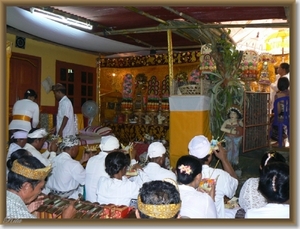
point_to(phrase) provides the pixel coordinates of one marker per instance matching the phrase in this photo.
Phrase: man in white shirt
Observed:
(67, 174)
(95, 167)
(35, 141)
(156, 156)
(282, 71)
(65, 124)
(226, 181)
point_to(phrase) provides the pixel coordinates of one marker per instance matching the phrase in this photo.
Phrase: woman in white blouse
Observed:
(117, 188)
(195, 202)
(249, 196)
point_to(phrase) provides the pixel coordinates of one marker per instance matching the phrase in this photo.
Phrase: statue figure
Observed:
(233, 134)
(160, 119)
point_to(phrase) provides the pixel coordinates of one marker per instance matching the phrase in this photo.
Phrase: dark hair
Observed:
(195, 165)
(274, 182)
(159, 193)
(232, 109)
(115, 161)
(283, 83)
(274, 157)
(59, 87)
(15, 181)
(30, 93)
(285, 66)
(16, 155)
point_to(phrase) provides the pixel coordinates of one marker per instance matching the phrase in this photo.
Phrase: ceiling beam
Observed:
(164, 23)
(165, 28)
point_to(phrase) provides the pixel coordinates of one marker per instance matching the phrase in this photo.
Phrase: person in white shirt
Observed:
(117, 188)
(249, 196)
(35, 141)
(156, 156)
(195, 203)
(274, 186)
(26, 112)
(282, 71)
(95, 167)
(67, 174)
(65, 123)
(226, 180)
(17, 141)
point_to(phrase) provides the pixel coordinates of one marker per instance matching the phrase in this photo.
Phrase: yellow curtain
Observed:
(189, 116)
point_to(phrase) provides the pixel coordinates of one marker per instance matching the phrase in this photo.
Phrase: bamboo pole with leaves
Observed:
(227, 87)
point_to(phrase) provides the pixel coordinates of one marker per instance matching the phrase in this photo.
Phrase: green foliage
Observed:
(227, 87)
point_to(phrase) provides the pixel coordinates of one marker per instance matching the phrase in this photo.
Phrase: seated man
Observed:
(158, 200)
(26, 179)
(226, 180)
(156, 157)
(67, 174)
(35, 141)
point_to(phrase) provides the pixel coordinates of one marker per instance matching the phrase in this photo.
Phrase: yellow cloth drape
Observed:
(184, 125)
(189, 116)
(80, 122)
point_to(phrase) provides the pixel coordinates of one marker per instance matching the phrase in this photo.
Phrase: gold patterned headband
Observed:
(34, 174)
(161, 211)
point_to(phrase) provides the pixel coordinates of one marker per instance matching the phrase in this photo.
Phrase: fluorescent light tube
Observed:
(61, 19)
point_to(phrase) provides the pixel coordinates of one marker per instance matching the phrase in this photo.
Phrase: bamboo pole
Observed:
(98, 72)
(170, 59)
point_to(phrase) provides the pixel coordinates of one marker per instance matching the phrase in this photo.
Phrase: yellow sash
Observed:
(21, 117)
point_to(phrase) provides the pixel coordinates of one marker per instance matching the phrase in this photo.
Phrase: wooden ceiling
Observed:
(146, 26)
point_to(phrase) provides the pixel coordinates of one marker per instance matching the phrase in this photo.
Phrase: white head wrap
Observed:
(156, 149)
(39, 133)
(20, 134)
(199, 146)
(109, 143)
(69, 141)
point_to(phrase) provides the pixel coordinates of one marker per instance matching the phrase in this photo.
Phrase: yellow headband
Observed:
(34, 174)
(161, 211)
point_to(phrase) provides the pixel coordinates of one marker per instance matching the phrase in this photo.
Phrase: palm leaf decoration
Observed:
(227, 89)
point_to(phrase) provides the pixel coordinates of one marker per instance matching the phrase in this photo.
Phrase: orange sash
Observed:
(21, 117)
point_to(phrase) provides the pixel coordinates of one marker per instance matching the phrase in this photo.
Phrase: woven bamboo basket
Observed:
(196, 89)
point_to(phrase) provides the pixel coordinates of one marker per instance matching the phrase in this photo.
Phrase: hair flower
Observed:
(186, 169)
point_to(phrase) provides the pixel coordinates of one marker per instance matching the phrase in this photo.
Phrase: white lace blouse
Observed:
(249, 196)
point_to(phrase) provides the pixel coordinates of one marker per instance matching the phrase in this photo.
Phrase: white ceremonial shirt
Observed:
(226, 186)
(95, 168)
(45, 157)
(65, 108)
(156, 172)
(249, 196)
(119, 192)
(12, 148)
(195, 204)
(28, 108)
(67, 174)
(276, 211)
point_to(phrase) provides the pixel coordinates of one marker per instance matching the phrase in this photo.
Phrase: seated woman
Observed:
(195, 203)
(249, 196)
(117, 188)
(274, 186)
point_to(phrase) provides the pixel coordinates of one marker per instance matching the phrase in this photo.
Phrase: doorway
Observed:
(25, 73)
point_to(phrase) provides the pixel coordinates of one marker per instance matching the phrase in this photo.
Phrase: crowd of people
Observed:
(158, 191)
